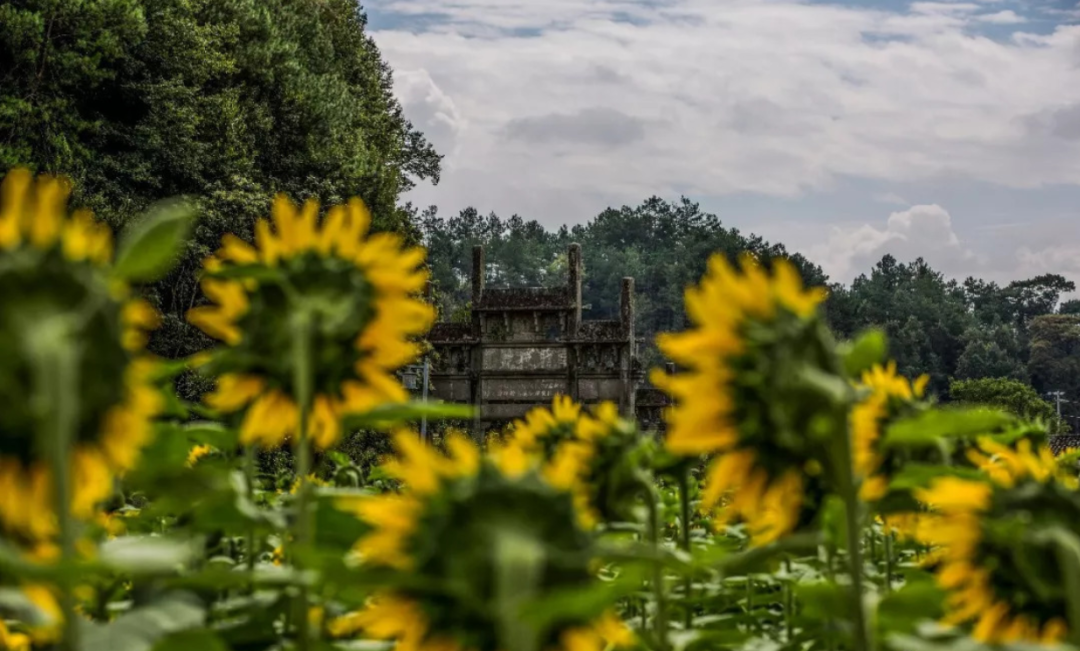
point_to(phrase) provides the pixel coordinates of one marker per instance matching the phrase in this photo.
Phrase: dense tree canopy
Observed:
(228, 101)
(663, 245)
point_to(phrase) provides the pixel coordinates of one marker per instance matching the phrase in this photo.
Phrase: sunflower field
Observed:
(802, 496)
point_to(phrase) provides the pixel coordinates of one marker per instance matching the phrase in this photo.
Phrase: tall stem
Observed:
(519, 565)
(249, 479)
(888, 561)
(303, 378)
(57, 387)
(789, 601)
(660, 618)
(751, 624)
(855, 569)
(684, 542)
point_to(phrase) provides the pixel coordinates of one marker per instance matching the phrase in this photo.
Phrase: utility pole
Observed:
(1057, 397)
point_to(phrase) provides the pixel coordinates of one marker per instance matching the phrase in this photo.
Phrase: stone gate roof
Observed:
(525, 298)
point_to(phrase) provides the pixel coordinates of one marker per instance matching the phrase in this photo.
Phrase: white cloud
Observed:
(924, 231)
(1007, 17)
(431, 110)
(717, 97)
(555, 110)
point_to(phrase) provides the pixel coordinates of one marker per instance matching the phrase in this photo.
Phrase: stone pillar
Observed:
(626, 358)
(476, 384)
(573, 280)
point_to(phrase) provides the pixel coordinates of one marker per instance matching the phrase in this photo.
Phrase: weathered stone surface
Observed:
(526, 390)
(515, 359)
(523, 346)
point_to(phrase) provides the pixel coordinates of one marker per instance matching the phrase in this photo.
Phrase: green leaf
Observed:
(363, 645)
(203, 640)
(258, 272)
(142, 628)
(757, 558)
(211, 433)
(831, 387)
(869, 349)
(149, 249)
(916, 475)
(584, 602)
(389, 415)
(928, 427)
(823, 600)
(918, 600)
(145, 554)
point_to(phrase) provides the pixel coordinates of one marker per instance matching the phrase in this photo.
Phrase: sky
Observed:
(845, 130)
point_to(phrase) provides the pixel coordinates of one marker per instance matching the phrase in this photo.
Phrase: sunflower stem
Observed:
(56, 357)
(249, 480)
(684, 506)
(854, 557)
(302, 384)
(519, 562)
(751, 625)
(888, 561)
(660, 617)
(789, 601)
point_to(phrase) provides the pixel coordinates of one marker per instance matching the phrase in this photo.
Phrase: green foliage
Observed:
(1015, 397)
(1055, 354)
(225, 101)
(150, 246)
(663, 245)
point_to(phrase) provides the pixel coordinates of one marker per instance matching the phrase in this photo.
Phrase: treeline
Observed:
(1019, 334)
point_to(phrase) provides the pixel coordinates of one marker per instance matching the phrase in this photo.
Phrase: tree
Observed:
(1055, 354)
(663, 245)
(1071, 306)
(992, 352)
(228, 101)
(1010, 395)
(925, 316)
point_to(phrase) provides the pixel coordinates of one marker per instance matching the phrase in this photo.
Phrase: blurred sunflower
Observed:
(742, 397)
(544, 428)
(995, 544)
(198, 452)
(53, 276)
(500, 512)
(886, 394)
(348, 293)
(13, 641)
(593, 455)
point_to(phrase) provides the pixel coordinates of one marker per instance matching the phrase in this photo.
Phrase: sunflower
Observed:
(198, 452)
(546, 427)
(13, 641)
(53, 271)
(886, 393)
(592, 455)
(740, 396)
(352, 293)
(993, 543)
(487, 505)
